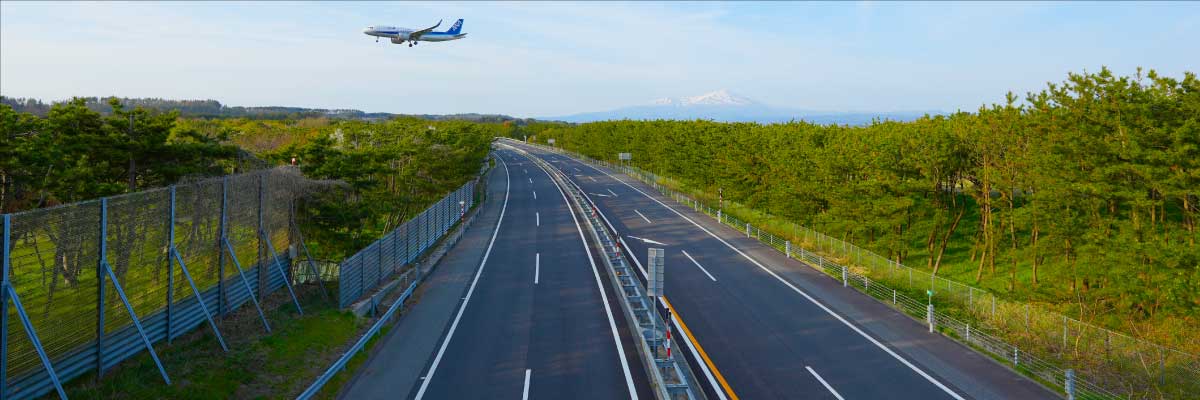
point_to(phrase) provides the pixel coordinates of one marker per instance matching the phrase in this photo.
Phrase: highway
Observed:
(770, 327)
(534, 322)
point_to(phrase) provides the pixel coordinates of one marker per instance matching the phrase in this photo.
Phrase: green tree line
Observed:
(74, 153)
(385, 171)
(1084, 196)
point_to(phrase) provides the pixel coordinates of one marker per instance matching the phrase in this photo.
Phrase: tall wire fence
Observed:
(1082, 359)
(87, 285)
(360, 273)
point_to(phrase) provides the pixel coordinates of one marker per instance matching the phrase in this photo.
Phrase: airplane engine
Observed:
(397, 41)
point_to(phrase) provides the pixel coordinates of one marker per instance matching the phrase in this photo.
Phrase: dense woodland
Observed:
(1083, 196)
(386, 171)
(214, 109)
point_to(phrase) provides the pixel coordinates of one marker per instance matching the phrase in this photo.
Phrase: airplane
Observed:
(400, 35)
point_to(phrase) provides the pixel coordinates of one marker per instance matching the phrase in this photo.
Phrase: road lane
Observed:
(540, 332)
(791, 333)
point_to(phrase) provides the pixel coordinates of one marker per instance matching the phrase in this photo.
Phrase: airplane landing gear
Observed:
(410, 44)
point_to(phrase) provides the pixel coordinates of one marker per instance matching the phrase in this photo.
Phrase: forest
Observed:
(1082, 197)
(385, 171)
(214, 109)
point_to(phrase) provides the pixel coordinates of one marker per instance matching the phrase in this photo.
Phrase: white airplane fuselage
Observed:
(400, 35)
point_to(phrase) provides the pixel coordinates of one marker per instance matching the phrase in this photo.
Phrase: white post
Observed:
(929, 314)
(787, 249)
(844, 280)
(1070, 384)
(747, 229)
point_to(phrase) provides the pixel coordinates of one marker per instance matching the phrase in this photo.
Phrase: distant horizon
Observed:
(549, 59)
(226, 104)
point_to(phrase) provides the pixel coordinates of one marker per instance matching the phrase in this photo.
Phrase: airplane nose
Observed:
(367, 30)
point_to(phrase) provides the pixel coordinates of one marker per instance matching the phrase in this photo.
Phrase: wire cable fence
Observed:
(362, 272)
(1078, 358)
(88, 285)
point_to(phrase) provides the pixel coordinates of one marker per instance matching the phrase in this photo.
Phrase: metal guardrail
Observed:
(362, 272)
(670, 375)
(415, 276)
(1085, 382)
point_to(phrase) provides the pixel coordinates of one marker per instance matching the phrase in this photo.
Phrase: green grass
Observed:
(257, 366)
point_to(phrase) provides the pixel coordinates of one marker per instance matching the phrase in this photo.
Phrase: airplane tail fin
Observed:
(454, 30)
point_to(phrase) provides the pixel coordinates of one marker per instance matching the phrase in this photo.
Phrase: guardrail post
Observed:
(100, 277)
(4, 265)
(1070, 384)
(787, 249)
(845, 282)
(747, 229)
(929, 316)
(968, 332)
(719, 219)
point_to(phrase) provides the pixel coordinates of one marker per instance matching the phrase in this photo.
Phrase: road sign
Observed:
(551, 141)
(625, 156)
(654, 283)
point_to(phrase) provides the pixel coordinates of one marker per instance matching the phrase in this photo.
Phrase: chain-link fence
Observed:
(1041, 343)
(360, 273)
(72, 273)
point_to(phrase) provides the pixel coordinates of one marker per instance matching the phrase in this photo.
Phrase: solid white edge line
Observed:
(795, 289)
(819, 379)
(639, 213)
(712, 380)
(612, 323)
(537, 267)
(450, 334)
(525, 393)
(689, 256)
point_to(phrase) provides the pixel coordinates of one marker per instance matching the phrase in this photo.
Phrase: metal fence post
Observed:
(1070, 384)
(170, 263)
(4, 265)
(100, 276)
(260, 271)
(1064, 332)
(221, 228)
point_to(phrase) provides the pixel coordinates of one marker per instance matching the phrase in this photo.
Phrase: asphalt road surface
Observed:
(773, 328)
(536, 319)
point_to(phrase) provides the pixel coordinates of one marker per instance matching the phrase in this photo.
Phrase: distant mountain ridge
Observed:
(725, 106)
(214, 109)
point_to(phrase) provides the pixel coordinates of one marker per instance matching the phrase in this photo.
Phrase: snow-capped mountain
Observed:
(723, 105)
(718, 98)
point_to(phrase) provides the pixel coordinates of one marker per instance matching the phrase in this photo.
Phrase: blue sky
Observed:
(547, 59)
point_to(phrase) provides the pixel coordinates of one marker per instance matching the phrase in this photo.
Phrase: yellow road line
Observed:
(699, 349)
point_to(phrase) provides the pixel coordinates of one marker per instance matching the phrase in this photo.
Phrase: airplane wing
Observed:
(417, 35)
